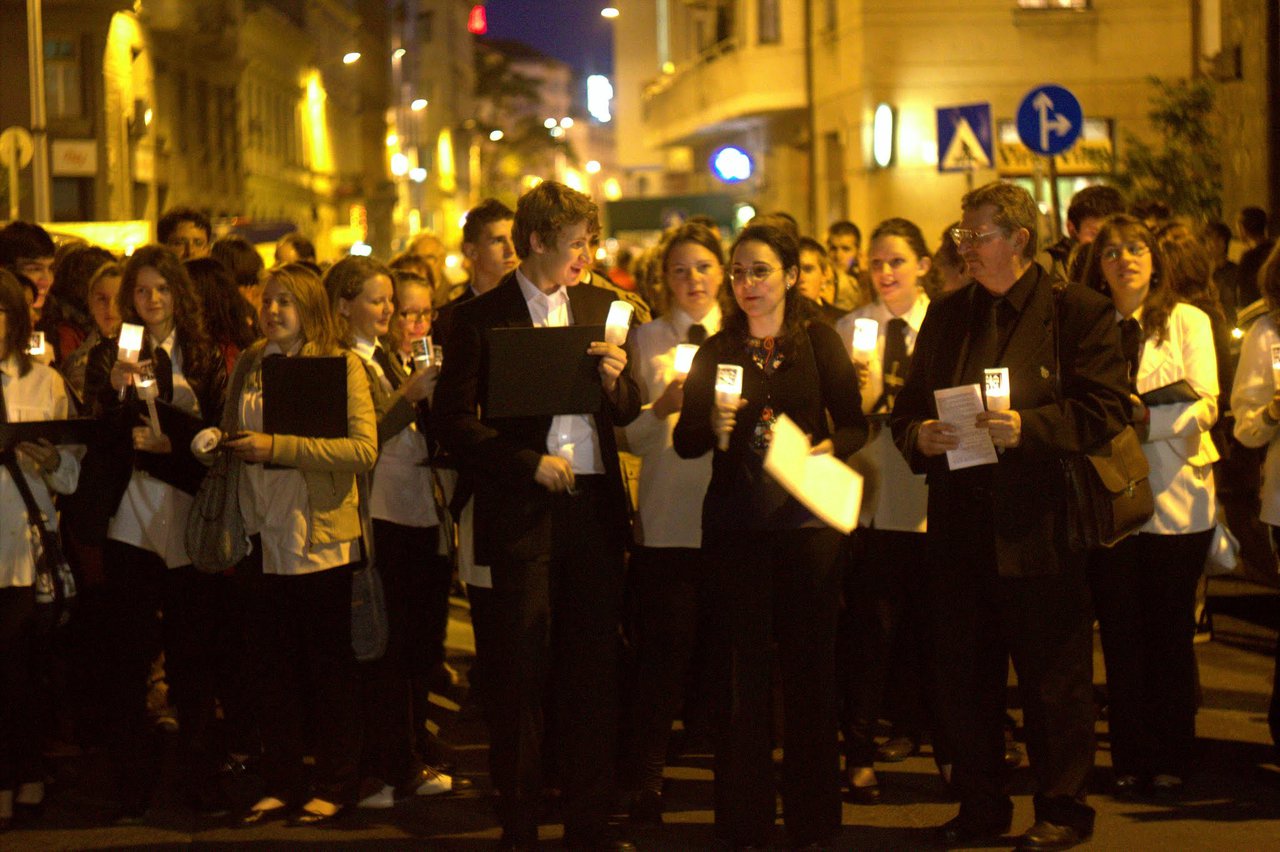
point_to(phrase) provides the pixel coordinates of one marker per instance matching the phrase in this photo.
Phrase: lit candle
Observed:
(728, 393)
(1275, 364)
(684, 358)
(619, 320)
(130, 343)
(149, 391)
(997, 384)
(36, 345)
(865, 333)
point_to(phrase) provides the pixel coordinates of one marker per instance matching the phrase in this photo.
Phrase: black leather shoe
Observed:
(646, 807)
(961, 830)
(1049, 835)
(871, 794)
(897, 750)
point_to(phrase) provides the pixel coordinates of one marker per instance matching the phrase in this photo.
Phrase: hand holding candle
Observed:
(996, 381)
(149, 391)
(618, 322)
(728, 400)
(684, 358)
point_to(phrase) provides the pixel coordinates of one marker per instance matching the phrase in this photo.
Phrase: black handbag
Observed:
(1109, 495)
(55, 584)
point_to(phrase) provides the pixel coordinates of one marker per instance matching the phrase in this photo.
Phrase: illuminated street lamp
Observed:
(399, 54)
(418, 105)
(609, 12)
(350, 58)
(496, 135)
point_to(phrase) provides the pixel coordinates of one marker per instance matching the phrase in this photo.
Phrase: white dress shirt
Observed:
(153, 514)
(401, 491)
(571, 436)
(1254, 388)
(1179, 449)
(275, 505)
(671, 488)
(893, 497)
(39, 395)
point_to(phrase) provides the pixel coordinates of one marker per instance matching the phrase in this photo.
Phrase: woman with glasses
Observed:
(669, 578)
(405, 523)
(1144, 587)
(774, 562)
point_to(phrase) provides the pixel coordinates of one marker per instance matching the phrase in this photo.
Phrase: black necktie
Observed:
(381, 359)
(985, 347)
(1131, 345)
(4, 406)
(697, 334)
(896, 359)
(164, 372)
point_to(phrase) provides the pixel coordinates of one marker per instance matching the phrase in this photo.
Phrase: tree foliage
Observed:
(1185, 169)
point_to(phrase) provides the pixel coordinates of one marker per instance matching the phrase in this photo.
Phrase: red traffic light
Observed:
(477, 21)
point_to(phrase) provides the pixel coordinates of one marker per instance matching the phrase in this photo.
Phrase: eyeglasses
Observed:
(1113, 253)
(416, 316)
(964, 236)
(757, 273)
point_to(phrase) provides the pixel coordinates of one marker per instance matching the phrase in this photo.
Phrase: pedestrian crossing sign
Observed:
(964, 138)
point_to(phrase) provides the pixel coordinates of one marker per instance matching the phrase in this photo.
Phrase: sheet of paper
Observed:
(960, 406)
(825, 485)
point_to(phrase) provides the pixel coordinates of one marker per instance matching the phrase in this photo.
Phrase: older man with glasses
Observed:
(1001, 577)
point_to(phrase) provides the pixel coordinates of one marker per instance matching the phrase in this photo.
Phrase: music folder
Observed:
(539, 372)
(305, 396)
(73, 430)
(1179, 391)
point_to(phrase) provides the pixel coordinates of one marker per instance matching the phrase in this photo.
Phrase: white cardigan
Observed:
(1179, 448)
(1253, 390)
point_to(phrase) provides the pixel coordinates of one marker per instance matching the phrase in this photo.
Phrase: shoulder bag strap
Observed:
(34, 513)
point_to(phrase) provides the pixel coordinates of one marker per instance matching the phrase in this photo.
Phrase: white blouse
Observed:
(39, 395)
(1255, 386)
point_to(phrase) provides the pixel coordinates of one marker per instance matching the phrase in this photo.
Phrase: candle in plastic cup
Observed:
(865, 332)
(997, 386)
(149, 391)
(437, 354)
(423, 352)
(1275, 363)
(617, 323)
(684, 358)
(728, 393)
(130, 342)
(36, 345)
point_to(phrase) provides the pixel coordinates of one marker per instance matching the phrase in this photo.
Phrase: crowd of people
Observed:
(647, 514)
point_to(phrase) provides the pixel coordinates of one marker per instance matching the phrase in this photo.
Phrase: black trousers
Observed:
(300, 634)
(1144, 595)
(884, 643)
(671, 600)
(19, 727)
(407, 564)
(556, 628)
(189, 616)
(978, 620)
(777, 586)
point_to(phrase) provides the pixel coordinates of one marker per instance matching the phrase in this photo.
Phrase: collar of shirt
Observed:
(533, 295)
(681, 321)
(914, 315)
(1135, 315)
(274, 349)
(1019, 294)
(363, 348)
(168, 343)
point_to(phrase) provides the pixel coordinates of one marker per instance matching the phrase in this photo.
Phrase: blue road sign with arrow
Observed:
(1049, 119)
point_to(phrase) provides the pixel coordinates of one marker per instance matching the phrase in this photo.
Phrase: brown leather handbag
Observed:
(1109, 495)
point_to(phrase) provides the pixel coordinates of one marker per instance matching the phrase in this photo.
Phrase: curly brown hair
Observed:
(200, 357)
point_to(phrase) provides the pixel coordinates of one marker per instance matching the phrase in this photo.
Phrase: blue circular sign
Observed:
(731, 164)
(1049, 119)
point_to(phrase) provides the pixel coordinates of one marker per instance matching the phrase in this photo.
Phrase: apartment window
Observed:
(1055, 4)
(72, 199)
(64, 96)
(770, 27)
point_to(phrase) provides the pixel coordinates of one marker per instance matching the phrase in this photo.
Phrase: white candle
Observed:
(865, 333)
(437, 354)
(149, 391)
(619, 320)
(423, 352)
(728, 392)
(36, 345)
(997, 385)
(130, 342)
(684, 358)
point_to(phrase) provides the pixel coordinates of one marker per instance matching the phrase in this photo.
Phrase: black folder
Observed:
(305, 396)
(74, 430)
(536, 372)
(1179, 391)
(178, 468)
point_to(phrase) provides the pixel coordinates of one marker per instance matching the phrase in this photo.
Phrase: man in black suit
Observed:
(551, 521)
(1001, 576)
(487, 246)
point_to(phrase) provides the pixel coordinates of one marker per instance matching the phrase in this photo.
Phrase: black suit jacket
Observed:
(499, 456)
(1026, 486)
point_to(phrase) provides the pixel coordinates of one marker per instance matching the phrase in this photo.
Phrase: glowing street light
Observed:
(592, 167)
(609, 12)
(418, 105)
(566, 122)
(399, 54)
(550, 123)
(496, 135)
(350, 58)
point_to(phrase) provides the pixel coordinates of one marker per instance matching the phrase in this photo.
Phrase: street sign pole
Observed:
(39, 129)
(1053, 197)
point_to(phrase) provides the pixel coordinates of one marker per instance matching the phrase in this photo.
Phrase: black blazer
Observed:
(1026, 486)
(499, 456)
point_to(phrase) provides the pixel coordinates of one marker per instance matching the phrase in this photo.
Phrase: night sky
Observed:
(569, 30)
